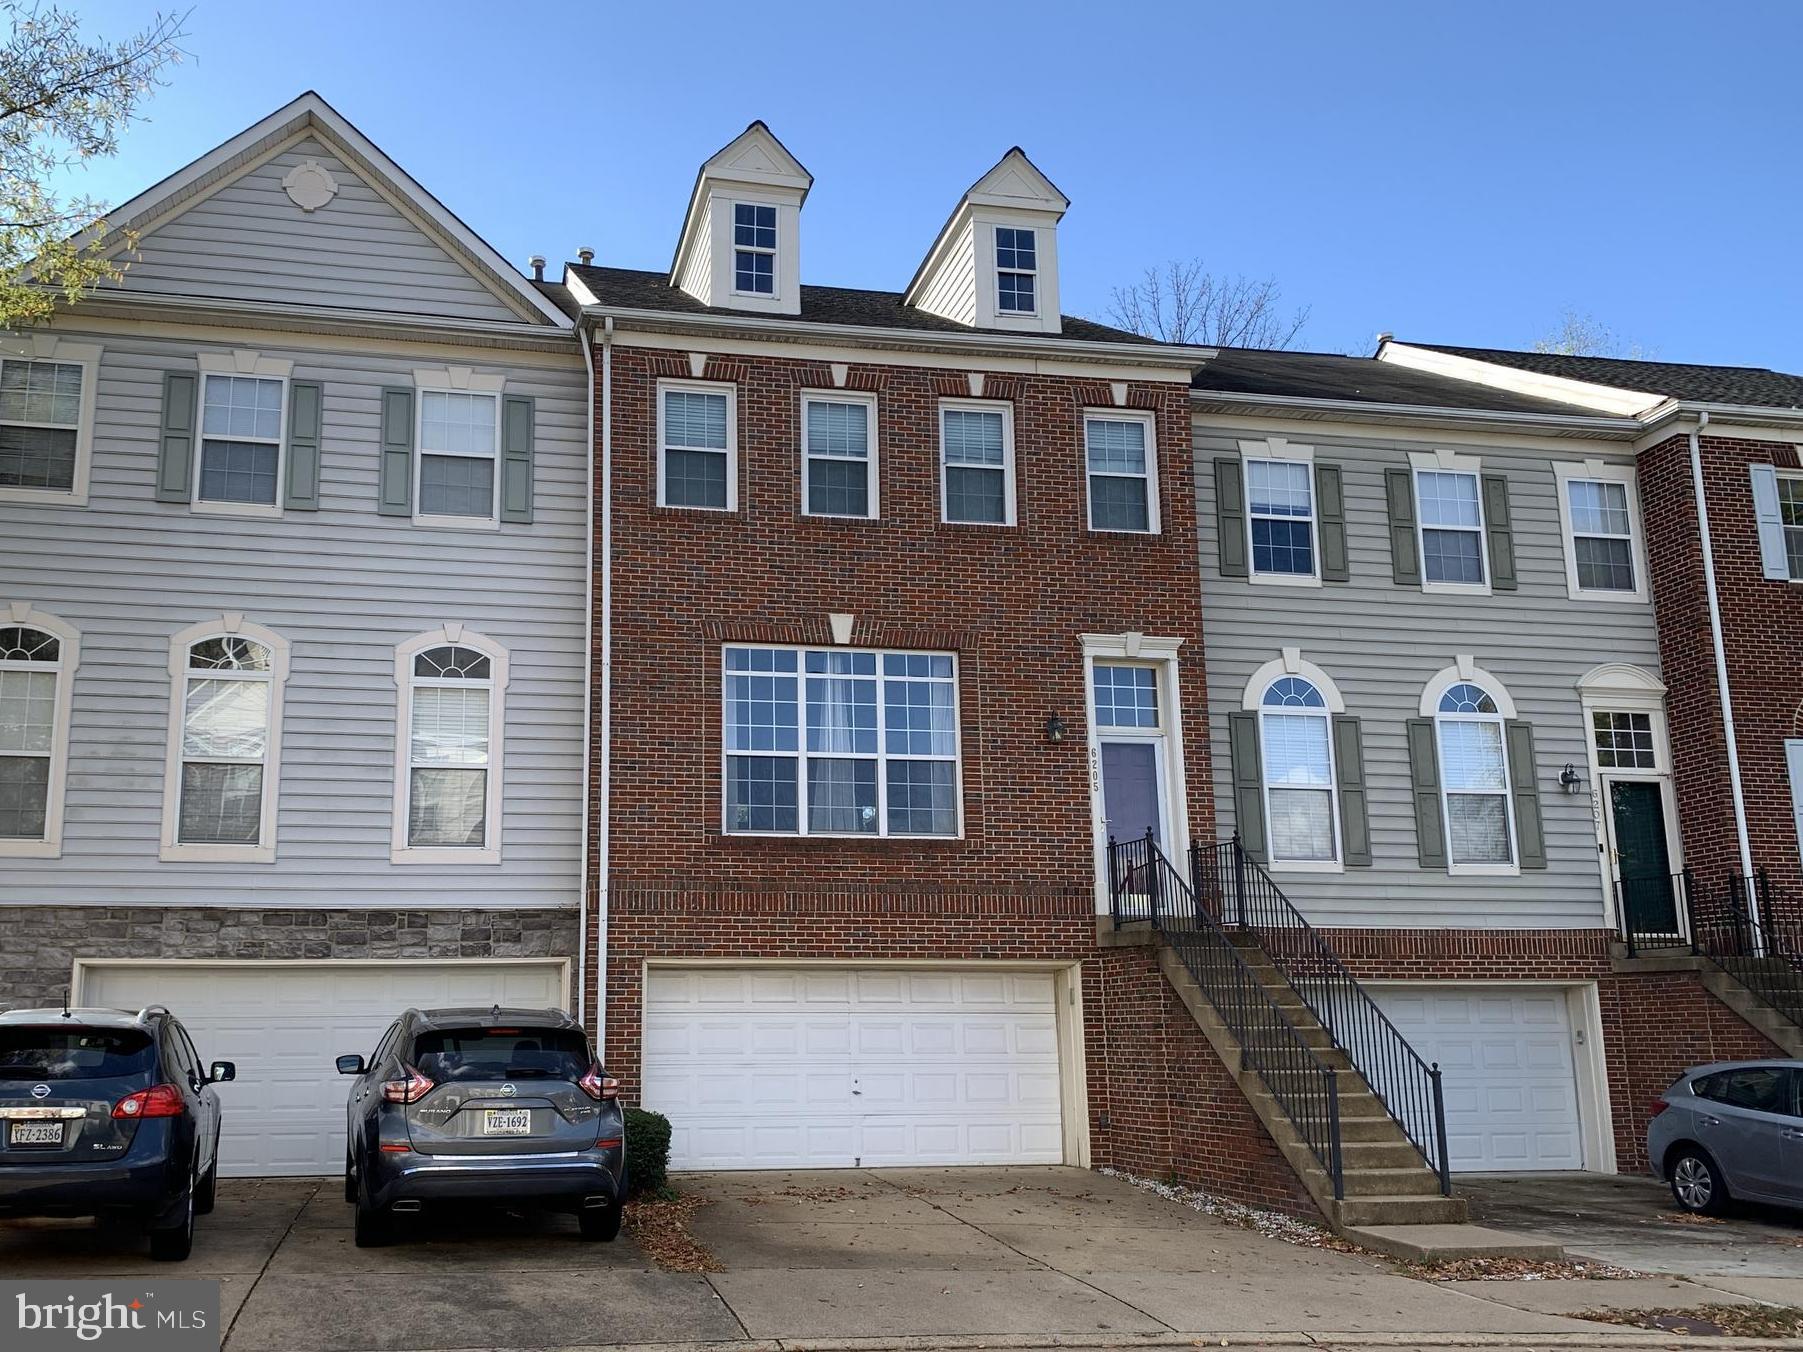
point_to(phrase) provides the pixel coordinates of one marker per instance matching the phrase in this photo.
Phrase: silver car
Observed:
(1731, 1130)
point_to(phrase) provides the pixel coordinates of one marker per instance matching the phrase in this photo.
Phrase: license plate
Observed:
(35, 1133)
(507, 1122)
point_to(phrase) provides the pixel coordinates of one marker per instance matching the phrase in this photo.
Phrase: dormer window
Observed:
(754, 249)
(1016, 271)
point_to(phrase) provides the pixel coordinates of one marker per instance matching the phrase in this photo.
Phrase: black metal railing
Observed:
(1655, 913)
(1144, 886)
(1753, 930)
(1244, 897)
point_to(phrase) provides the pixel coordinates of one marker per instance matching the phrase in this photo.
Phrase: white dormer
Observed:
(741, 241)
(995, 264)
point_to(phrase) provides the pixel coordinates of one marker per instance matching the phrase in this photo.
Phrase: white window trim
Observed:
(1006, 409)
(731, 391)
(1292, 663)
(439, 382)
(489, 852)
(774, 252)
(996, 268)
(873, 492)
(50, 846)
(1160, 652)
(49, 347)
(1781, 474)
(881, 758)
(263, 852)
(1464, 671)
(1598, 471)
(253, 366)
(1281, 450)
(1621, 687)
(1154, 526)
(1450, 462)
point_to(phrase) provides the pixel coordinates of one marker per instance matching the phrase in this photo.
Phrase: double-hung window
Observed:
(976, 455)
(451, 771)
(225, 743)
(1122, 465)
(240, 460)
(1790, 512)
(1295, 735)
(35, 667)
(696, 447)
(754, 249)
(1600, 516)
(1452, 527)
(839, 458)
(1280, 512)
(1016, 271)
(840, 741)
(459, 439)
(40, 424)
(1474, 778)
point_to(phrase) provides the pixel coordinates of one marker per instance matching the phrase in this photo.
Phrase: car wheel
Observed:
(600, 1222)
(1697, 1184)
(173, 1243)
(350, 1179)
(373, 1228)
(206, 1192)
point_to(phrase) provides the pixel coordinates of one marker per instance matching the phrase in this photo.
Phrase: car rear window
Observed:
(63, 1053)
(501, 1054)
(1764, 1089)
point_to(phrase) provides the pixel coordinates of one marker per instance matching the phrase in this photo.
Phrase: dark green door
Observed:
(1642, 862)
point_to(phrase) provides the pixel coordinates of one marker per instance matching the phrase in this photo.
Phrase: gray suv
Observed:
(483, 1105)
(1731, 1130)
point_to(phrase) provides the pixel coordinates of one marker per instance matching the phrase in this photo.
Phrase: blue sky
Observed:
(1450, 172)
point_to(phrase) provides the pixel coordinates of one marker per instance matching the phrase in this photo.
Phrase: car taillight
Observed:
(160, 1100)
(1658, 1106)
(599, 1085)
(410, 1089)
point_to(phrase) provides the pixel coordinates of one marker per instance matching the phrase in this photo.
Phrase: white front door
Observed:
(283, 1025)
(840, 1067)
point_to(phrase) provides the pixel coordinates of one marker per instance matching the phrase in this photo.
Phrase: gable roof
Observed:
(1757, 386)
(1362, 380)
(168, 198)
(1012, 181)
(755, 156)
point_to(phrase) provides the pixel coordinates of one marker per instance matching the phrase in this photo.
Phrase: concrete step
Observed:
(1283, 1050)
(1447, 1243)
(1397, 1154)
(1410, 1209)
(1411, 1181)
(1372, 1129)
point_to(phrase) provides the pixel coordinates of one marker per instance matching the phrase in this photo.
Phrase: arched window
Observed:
(225, 741)
(449, 771)
(1474, 777)
(37, 664)
(1295, 734)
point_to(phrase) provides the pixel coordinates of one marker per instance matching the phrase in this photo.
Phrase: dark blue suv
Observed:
(108, 1113)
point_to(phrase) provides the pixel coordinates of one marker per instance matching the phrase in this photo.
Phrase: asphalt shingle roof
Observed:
(1326, 375)
(1754, 385)
(634, 289)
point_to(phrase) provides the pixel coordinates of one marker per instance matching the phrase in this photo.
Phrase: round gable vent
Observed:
(309, 186)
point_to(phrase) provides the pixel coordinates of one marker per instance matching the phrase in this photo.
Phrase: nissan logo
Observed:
(507, 1091)
(40, 1091)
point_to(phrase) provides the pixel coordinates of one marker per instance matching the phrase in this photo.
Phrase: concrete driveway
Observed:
(1059, 1255)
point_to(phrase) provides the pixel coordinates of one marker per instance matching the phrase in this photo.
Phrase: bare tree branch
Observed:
(1581, 335)
(1183, 302)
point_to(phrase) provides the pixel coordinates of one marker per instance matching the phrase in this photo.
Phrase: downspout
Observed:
(602, 820)
(1721, 666)
(588, 647)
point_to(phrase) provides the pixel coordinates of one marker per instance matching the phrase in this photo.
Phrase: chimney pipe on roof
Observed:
(537, 264)
(585, 256)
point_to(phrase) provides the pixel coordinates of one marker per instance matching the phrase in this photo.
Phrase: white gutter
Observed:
(588, 686)
(1721, 666)
(1378, 412)
(603, 839)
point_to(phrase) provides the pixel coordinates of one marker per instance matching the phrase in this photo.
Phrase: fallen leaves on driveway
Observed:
(1734, 1321)
(660, 1225)
(793, 1194)
(1517, 1270)
(1689, 1218)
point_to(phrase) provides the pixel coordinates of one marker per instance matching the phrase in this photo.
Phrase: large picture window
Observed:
(840, 741)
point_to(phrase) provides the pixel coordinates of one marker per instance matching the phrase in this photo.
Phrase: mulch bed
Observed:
(1733, 1321)
(660, 1226)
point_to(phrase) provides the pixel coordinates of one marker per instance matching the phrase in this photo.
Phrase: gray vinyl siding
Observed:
(249, 242)
(344, 586)
(1381, 643)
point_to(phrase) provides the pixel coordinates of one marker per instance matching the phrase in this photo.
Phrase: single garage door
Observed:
(283, 1025)
(1505, 1055)
(767, 1068)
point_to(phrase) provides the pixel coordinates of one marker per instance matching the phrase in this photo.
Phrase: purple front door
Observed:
(1130, 798)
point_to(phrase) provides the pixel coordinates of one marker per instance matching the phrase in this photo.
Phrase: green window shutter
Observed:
(301, 492)
(1499, 526)
(1424, 779)
(1524, 784)
(516, 459)
(1349, 770)
(1230, 517)
(1405, 554)
(1330, 514)
(1248, 782)
(175, 454)
(396, 498)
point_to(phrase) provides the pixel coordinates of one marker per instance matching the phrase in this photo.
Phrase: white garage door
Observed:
(765, 1068)
(1505, 1056)
(284, 1025)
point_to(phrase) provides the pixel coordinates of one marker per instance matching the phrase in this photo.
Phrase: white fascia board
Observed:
(1585, 394)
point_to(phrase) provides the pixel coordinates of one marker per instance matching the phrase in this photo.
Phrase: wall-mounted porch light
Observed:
(1054, 729)
(1568, 778)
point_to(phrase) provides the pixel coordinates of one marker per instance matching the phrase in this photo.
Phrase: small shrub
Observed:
(647, 1151)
